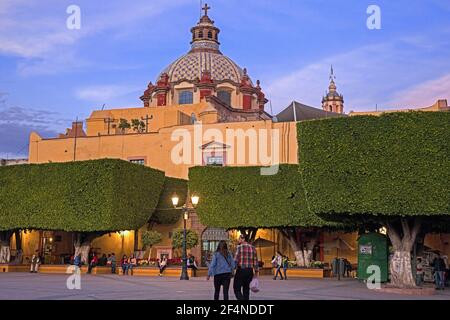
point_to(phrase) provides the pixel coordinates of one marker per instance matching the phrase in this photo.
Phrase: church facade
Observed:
(202, 87)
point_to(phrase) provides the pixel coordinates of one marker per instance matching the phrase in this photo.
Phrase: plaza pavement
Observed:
(101, 287)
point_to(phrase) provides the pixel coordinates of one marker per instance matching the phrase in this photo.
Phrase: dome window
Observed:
(186, 97)
(200, 34)
(224, 96)
(210, 35)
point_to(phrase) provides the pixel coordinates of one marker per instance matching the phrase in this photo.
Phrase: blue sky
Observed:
(49, 75)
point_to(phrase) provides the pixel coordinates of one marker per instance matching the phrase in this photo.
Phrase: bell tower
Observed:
(333, 101)
(205, 36)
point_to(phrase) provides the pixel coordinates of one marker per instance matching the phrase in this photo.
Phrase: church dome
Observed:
(190, 67)
(205, 72)
(204, 56)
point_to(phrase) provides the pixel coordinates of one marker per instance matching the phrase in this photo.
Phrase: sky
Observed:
(51, 75)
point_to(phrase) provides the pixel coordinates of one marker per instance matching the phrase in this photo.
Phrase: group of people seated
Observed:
(126, 263)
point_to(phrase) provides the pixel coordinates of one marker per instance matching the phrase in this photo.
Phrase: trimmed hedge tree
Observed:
(241, 198)
(393, 169)
(87, 197)
(165, 213)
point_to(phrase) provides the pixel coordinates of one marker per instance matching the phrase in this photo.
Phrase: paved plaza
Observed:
(103, 287)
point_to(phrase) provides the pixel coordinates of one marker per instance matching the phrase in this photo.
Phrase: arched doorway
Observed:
(210, 240)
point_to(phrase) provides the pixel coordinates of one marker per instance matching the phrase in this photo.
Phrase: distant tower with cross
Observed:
(333, 101)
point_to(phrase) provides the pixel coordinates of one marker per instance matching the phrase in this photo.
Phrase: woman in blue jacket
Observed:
(221, 267)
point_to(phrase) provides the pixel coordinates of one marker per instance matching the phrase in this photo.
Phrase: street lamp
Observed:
(194, 201)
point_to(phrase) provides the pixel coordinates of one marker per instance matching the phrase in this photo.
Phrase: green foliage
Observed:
(138, 125)
(191, 239)
(150, 238)
(84, 196)
(124, 124)
(165, 213)
(240, 197)
(397, 164)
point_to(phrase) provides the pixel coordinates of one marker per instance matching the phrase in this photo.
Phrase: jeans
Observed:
(91, 265)
(439, 277)
(131, 267)
(419, 279)
(125, 269)
(285, 271)
(278, 271)
(224, 280)
(241, 283)
(113, 268)
(161, 269)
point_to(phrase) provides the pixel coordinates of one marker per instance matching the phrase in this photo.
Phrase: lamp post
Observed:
(194, 201)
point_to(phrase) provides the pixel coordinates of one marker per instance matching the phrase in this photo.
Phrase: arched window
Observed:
(186, 97)
(210, 35)
(224, 96)
(200, 34)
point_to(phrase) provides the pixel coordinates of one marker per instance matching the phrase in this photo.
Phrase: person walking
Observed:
(124, 264)
(285, 262)
(221, 268)
(278, 263)
(439, 272)
(35, 262)
(247, 267)
(162, 266)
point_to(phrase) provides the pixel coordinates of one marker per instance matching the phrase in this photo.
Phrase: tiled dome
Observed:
(190, 67)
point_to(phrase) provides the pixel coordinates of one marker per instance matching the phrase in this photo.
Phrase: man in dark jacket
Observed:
(439, 272)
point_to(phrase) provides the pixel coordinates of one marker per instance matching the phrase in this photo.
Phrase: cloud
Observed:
(380, 73)
(37, 32)
(424, 94)
(16, 124)
(102, 93)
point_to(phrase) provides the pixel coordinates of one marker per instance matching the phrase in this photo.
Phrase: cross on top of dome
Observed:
(206, 8)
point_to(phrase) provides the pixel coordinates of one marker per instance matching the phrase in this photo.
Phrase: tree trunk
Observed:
(150, 253)
(5, 242)
(82, 244)
(308, 252)
(19, 251)
(5, 252)
(303, 250)
(401, 271)
(403, 237)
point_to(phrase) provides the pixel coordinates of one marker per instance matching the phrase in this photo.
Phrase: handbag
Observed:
(254, 285)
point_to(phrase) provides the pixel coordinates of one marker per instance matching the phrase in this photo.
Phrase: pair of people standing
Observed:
(439, 269)
(222, 266)
(128, 264)
(35, 262)
(280, 261)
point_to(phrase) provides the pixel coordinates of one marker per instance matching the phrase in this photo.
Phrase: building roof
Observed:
(190, 67)
(304, 112)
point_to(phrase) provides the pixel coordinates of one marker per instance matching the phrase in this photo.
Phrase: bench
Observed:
(304, 273)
